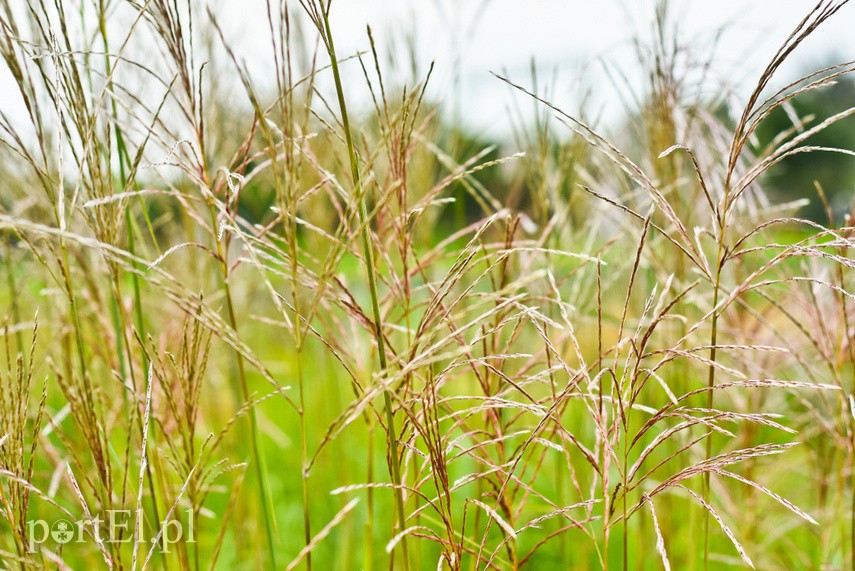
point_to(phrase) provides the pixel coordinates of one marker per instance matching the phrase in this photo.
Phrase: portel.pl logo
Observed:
(113, 526)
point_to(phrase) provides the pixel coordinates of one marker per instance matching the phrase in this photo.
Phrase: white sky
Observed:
(569, 37)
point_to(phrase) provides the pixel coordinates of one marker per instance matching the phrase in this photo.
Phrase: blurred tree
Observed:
(794, 177)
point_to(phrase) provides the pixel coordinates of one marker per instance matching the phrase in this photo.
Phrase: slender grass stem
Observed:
(124, 162)
(368, 253)
(298, 335)
(241, 387)
(851, 416)
(290, 227)
(254, 433)
(710, 384)
(625, 487)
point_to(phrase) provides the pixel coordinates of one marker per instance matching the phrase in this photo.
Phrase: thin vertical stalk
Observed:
(243, 392)
(298, 331)
(851, 416)
(124, 159)
(601, 428)
(240, 388)
(369, 525)
(368, 253)
(298, 341)
(711, 376)
(624, 480)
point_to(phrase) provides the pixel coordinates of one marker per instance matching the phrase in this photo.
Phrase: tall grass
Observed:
(230, 298)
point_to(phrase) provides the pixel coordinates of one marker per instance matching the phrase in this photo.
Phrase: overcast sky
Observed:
(569, 37)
